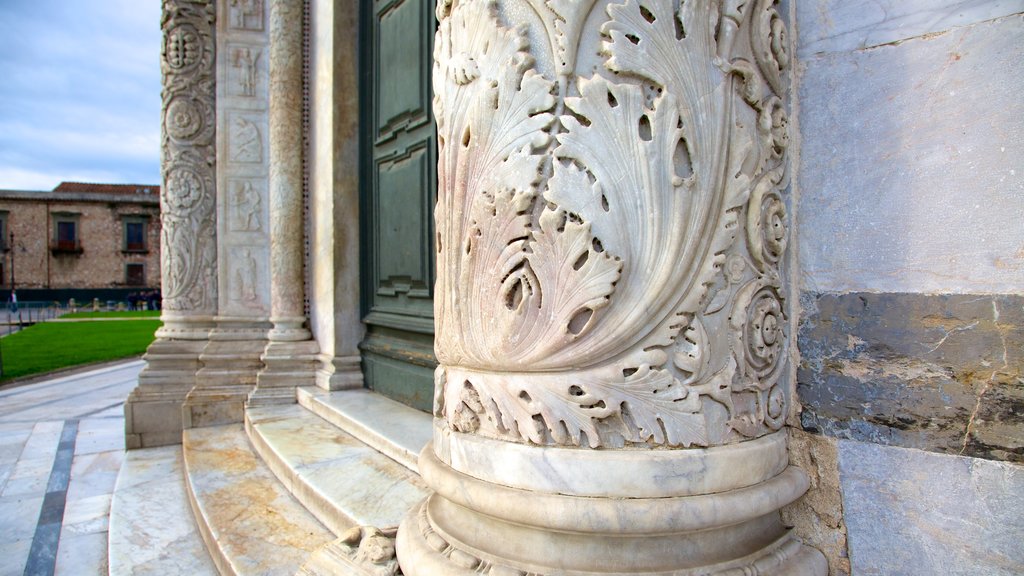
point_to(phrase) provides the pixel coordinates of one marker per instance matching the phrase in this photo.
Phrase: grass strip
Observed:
(114, 314)
(50, 346)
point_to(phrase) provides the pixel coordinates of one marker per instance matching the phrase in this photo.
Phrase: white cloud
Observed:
(79, 92)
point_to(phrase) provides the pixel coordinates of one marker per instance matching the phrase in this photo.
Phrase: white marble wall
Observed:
(941, 514)
(334, 191)
(911, 177)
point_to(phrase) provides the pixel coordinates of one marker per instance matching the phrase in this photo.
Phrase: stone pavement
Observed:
(61, 447)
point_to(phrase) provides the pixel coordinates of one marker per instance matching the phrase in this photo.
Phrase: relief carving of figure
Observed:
(247, 14)
(245, 141)
(245, 207)
(244, 285)
(246, 62)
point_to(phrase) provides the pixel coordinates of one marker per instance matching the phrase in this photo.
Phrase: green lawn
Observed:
(121, 314)
(49, 346)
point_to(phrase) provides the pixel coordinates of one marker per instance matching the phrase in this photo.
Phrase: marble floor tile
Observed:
(99, 435)
(29, 477)
(94, 474)
(82, 555)
(5, 473)
(87, 515)
(19, 516)
(43, 441)
(12, 443)
(13, 554)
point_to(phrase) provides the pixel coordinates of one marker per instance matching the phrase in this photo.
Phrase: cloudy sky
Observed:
(79, 92)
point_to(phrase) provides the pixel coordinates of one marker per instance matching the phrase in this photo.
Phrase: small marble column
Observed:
(611, 310)
(290, 356)
(188, 243)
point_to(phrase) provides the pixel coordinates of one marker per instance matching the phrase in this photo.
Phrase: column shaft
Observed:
(286, 150)
(290, 355)
(612, 320)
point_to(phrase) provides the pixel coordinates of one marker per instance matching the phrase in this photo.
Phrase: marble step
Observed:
(391, 428)
(342, 481)
(250, 522)
(152, 531)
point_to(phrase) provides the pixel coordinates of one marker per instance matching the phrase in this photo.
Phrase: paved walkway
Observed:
(61, 447)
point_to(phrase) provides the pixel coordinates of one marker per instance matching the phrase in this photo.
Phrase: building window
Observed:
(3, 232)
(135, 274)
(65, 233)
(135, 235)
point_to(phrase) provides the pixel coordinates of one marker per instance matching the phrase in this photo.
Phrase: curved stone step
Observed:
(341, 480)
(392, 428)
(250, 523)
(152, 531)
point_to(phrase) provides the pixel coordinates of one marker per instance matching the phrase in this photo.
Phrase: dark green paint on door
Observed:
(398, 194)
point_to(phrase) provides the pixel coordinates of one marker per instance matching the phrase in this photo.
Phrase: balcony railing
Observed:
(66, 247)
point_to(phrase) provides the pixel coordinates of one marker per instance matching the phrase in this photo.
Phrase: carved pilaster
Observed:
(188, 247)
(290, 356)
(611, 225)
(231, 359)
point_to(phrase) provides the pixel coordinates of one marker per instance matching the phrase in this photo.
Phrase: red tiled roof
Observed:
(87, 188)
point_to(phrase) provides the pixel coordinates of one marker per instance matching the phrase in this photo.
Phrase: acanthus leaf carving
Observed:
(584, 279)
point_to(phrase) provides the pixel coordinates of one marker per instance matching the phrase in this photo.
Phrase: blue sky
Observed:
(79, 92)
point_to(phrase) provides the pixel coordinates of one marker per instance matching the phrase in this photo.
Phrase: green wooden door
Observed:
(398, 195)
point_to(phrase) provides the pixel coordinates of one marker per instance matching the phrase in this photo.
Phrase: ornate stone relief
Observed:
(611, 221)
(245, 141)
(246, 206)
(247, 14)
(244, 278)
(188, 257)
(245, 60)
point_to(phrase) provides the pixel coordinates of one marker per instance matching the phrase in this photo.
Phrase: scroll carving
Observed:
(610, 236)
(188, 196)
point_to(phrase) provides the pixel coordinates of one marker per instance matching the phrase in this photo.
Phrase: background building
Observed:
(80, 241)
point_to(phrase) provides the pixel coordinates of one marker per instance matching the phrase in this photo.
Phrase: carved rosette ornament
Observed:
(611, 223)
(188, 198)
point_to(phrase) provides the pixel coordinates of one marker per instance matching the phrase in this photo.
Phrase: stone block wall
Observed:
(909, 199)
(102, 260)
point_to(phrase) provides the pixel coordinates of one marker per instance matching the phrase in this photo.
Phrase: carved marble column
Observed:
(611, 316)
(188, 249)
(231, 360)
(290, 356)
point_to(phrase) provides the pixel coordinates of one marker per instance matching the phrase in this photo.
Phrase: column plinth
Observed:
(612, 319)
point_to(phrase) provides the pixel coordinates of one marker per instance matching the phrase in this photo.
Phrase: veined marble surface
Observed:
(250, 523)
(344, 482)
(152, 531)
(910, 176)
(396, 430)
(841, 25)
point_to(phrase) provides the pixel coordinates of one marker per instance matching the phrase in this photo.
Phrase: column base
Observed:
(339, 373)
(471, 527)
(153, 410)
(231, 361)
(286, 366)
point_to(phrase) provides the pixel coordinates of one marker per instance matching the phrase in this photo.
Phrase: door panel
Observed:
(398, 195)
